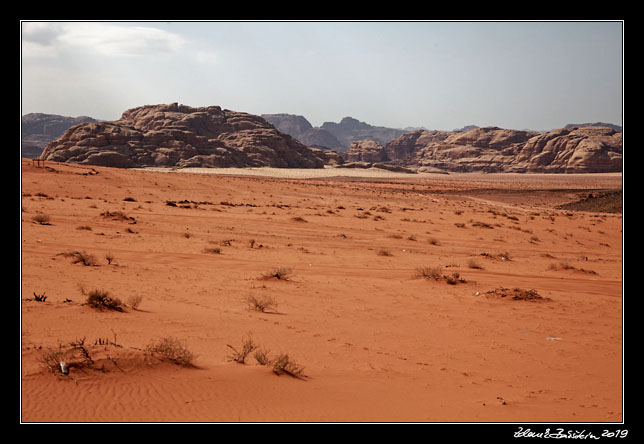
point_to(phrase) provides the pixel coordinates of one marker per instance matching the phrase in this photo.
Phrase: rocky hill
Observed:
(38, 129)
(350, 130)
(181, 136)
(576, 150)
(302, 130)
(331, 135)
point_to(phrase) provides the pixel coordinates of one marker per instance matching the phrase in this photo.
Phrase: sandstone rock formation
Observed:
(350, 130)
(366, 151)
(492, 149)
(331, 135)
(38, 129)
(181, 136)
(302, 130)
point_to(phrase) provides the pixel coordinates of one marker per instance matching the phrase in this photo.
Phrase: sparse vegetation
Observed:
(481, 224)
(436, 273)
(82, 257)
(471, 263)
(40, 297)
(134, 301)
(261, 355)
(298, 219)
(280, 273)
(109, 257)
(116, 215)
(383, 252)
(262, 304)
(516, 294)
(284, 365)
(42, 219)
(429, 273)
(100, 300)
(248, 346)
(567, 267)
(172, 349)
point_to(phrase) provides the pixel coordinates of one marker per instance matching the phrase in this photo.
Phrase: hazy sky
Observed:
(439, 75)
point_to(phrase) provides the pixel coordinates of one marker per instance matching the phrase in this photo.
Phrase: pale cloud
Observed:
(124, 41)
(102, 38)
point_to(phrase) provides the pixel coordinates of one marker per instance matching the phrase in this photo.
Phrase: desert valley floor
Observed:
(414, 298)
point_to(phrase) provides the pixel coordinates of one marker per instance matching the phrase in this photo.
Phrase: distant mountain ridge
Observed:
(332, 135)
(38, 129)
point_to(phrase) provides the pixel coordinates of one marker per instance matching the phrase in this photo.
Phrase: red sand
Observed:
(377, 343)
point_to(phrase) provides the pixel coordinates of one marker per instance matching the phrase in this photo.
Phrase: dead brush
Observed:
(262, 304)
(248, 346)
(428, 273)
(436, 273)
(172, 349)
(81, 257)
(42, 219)
(100, 300)
(280, 273)
(262, 358)
(283, 365)
(40, 297)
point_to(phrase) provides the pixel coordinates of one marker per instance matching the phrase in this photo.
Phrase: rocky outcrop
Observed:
(589, 149)
(291, 124)
(350, 130)
(366, 151)
(38, 129)
(181, 136)
(319, 137)
(582, 125)
(492, 149)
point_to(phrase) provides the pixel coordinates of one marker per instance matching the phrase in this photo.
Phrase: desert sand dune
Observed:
(386, 303)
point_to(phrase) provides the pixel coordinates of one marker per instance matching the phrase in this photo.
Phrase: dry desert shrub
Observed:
(284, 365)
(516, 294)
(109, 257)
(436, 273)
(481, 224)
(383, 252)
(116, 215)
(280, 273)
(428, 273)
(298, 219)
(81, 257)
(261, 355)
(471, 263)
(134, 301)
(567, 267)
(100, 300)
(40, 297)
(172, 349)
(248, 346)
(262, 303)
(64, 357)
(42, 219)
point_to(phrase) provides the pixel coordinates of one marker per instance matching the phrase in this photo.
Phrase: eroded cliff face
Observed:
(492, 149)
(366, 151)
(181, 136)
